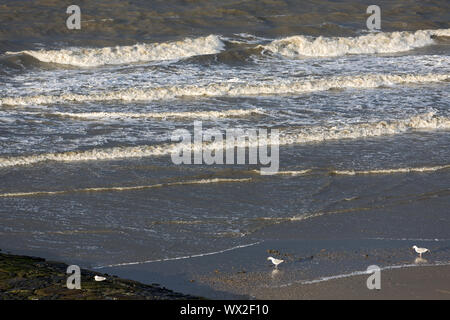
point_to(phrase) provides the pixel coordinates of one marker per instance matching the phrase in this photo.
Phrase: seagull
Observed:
(276, 262)
(420, 250)
(98, 278)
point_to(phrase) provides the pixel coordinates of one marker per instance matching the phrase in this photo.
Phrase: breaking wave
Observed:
(90, 155)
(93, 57)
(300, 46)
(279, 87)
(160, 115)
(428, 121)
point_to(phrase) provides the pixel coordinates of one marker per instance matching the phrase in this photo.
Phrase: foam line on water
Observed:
(315, 134)
(179, 258)
(390, 171)
(289, 173)
(116, 189)
(160, 115)
(409, 239)
(368, 172)
(427, 121)
(278, 87)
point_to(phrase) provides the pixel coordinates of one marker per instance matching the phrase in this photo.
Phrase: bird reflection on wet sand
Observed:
(420, 260)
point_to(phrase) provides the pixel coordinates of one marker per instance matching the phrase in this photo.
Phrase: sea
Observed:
(87, 118)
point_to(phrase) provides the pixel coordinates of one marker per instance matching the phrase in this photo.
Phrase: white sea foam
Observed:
(373, 43)
(92, 57)
(428, 121)
(367, 172)
(179, 258)
(410, 239)
(127, 188)
(160, 115)
(90, 155)
(232, 89)
(290, 173)
(390, 171)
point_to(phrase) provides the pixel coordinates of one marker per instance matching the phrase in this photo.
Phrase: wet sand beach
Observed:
(32, 278)
(323, 253)
(420, 283)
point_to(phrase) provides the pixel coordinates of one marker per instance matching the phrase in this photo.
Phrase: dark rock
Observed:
(33, 278)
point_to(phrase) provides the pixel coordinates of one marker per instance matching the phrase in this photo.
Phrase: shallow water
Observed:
(86, 120)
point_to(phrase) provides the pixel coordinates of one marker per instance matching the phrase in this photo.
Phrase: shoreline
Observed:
(324, 247)
(419, 282)
(33, 278)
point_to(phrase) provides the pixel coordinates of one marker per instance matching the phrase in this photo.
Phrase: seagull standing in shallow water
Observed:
(276, 262)
(420, 250)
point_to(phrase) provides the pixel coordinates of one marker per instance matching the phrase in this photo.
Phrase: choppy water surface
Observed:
(86, 121)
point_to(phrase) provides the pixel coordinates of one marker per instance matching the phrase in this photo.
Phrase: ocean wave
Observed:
(128, 188)
(373, 43)
(232, 89)
(90, 155)
(160, 115)
(94, 57)
(313, 134)
(427, 121)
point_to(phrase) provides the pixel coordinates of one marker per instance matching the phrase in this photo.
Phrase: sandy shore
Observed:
(328, 245)
(426, 282)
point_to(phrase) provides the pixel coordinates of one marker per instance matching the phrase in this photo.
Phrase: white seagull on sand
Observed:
(420, 250)
(276, 262)
(98, 278)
